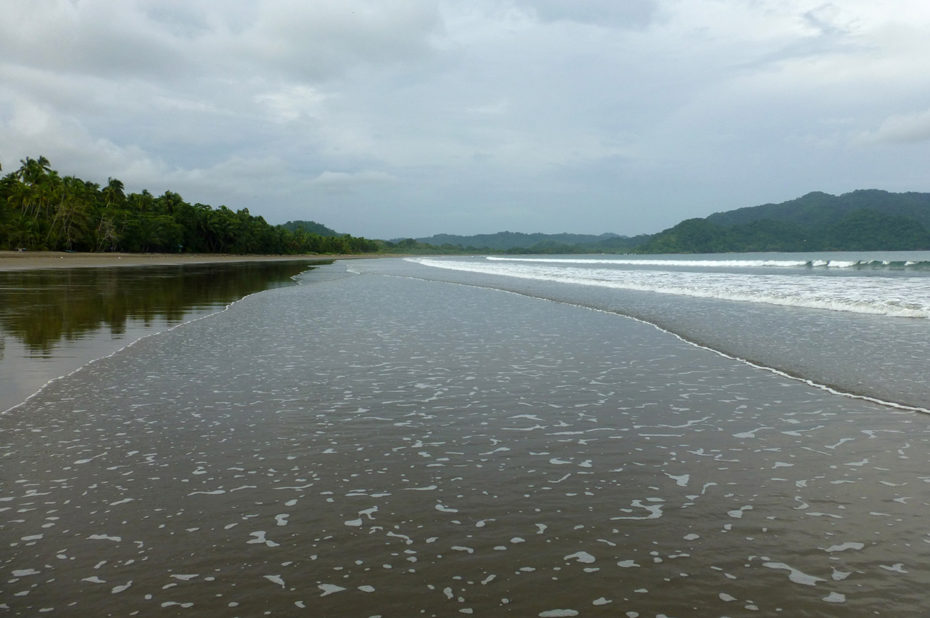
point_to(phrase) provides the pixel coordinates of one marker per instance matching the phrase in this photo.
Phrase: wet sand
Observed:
(54, 320)
(370, 444)
(35, 260)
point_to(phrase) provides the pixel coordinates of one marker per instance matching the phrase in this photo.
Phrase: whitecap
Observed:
(738, 513)
(897, 567)
(794, 574)
(118, 589)
(260, 538)
(329, 589)
(655, 510)
(845, 546)
(581, 556)
(25, 572)
(104, 537)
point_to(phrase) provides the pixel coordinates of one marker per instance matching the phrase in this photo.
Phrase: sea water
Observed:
(392, 438)
(853, 321)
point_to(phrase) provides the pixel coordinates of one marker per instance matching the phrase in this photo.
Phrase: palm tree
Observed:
(107, 235)
(32, 171)
(71, 222)
(114, 193)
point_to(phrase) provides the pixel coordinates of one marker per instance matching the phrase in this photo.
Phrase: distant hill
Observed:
(311, 227)
(862, 220)
(818, 209)
(508, 241)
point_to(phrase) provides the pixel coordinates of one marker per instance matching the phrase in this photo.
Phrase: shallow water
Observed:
(379, 444)
(55, 321)
(859, 326)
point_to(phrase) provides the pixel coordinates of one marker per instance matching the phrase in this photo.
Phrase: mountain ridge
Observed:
(813, 208)
(503, 241)
(860, 220)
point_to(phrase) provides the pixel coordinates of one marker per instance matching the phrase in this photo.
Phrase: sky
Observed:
(407, 118)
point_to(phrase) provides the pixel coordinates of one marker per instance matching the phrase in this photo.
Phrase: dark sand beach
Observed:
(374, 443)
(59, 311)
(35, 260)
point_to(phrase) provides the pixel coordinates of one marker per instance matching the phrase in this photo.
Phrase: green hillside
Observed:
(865, 220)
(310, 227)
(819, 209)
(502, 241)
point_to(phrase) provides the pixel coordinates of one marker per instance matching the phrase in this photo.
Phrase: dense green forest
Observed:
(864, 220)
(41, 210)
(310, 227)
(536, 243)
(503, 241)
(858, 221)
(818, 209)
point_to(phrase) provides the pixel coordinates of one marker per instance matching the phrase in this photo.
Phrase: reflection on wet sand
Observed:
(53, 321)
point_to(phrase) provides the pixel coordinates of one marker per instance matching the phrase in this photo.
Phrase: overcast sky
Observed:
(391, 118)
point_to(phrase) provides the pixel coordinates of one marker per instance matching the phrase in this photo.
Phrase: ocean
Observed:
(529, 436)
(831, 318)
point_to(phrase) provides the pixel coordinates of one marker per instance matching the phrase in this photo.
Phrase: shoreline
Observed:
(40, 260)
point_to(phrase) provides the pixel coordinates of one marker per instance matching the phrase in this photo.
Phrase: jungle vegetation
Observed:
(863, 220)
(42, 210)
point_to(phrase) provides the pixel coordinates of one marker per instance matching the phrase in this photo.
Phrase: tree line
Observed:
(42, 210)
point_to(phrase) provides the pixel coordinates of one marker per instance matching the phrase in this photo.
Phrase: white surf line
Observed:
(129, 345)
(737, 294)
(778, 372)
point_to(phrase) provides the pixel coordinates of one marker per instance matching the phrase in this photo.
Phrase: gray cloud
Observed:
(605, 13)
(404, 118)
(88, 38)
(315, 41)
(902, 128)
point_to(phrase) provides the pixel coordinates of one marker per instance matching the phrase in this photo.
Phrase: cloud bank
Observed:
(397, 118)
